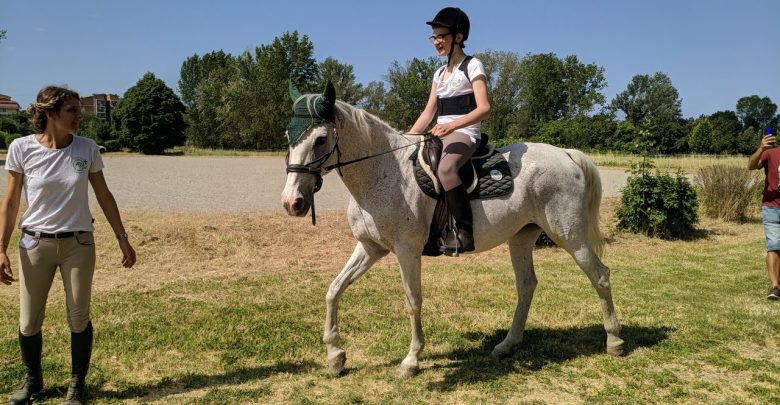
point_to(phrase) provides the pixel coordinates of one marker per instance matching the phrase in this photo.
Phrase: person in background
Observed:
(52, 169)
(768, 158)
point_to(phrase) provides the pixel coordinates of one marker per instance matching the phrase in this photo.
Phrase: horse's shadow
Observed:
(185, 383)
(539, 348)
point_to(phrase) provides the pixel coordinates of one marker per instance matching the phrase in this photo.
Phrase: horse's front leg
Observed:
(410, 262)
(364, 255)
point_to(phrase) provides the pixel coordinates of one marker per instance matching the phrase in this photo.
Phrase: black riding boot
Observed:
(80, 353)
(31, 356)
(462, 239)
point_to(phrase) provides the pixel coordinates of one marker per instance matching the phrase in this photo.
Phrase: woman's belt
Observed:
(61, 235)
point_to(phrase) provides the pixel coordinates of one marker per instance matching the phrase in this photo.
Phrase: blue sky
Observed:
(714, 51)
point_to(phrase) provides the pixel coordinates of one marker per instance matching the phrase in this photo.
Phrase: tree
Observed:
(150, 117)
(94, 128)
(209, 77)
(343, 78)
(649, 97)
(2, 34)
(287, 58)
(196, 69)
(503, 79)
(374, 98)
(701, 138)
(756, 112)
(726, 129)
(410, 86)
(552, 88)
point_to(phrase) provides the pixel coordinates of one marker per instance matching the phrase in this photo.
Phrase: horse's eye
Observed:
(320, 141)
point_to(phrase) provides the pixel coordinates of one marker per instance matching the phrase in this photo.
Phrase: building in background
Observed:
(100, 105)
(8, 106)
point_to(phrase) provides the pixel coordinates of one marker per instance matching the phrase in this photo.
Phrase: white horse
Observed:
(555, 190)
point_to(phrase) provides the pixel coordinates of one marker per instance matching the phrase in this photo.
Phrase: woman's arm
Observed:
(482, 111)
(111, 211)
(8, 211)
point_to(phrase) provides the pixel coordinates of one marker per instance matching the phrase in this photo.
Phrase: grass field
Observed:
(686, 163)
(229, 309)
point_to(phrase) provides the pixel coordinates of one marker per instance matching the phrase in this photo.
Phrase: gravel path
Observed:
(226, 184)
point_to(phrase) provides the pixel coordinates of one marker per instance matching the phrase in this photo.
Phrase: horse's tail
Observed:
(593, 198)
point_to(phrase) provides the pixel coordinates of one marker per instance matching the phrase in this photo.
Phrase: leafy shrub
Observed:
(657, 204)
(112, 145)
(8, 138)
(727, 192)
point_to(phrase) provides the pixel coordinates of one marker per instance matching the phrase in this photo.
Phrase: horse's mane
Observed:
(364, 122)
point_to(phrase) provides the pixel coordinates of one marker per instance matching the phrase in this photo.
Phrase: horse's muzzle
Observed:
(296, 207)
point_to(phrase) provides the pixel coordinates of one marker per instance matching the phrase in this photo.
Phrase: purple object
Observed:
(769, 131)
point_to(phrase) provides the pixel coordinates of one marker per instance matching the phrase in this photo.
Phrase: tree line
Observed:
(241, 102)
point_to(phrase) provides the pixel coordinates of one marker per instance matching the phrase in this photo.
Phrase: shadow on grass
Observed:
(185, 383)
(539, 348)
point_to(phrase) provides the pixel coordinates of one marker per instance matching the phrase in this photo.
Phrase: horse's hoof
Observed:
(501, 351)
(406, 371)
(336, 363)
(614, 346)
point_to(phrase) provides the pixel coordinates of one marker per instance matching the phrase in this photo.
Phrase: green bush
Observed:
(2, 139)
(112, 145)
(8, 138)
(727, 192)
(657, 204)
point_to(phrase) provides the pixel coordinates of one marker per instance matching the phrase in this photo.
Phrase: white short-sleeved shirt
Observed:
(455, 85)
(55, 183)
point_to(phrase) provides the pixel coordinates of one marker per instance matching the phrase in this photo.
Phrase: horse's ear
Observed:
(294, 93)
(329, 94)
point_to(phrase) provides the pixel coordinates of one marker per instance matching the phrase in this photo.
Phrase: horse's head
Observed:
(313, 142)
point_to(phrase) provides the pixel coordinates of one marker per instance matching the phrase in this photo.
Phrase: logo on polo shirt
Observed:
(80, 165)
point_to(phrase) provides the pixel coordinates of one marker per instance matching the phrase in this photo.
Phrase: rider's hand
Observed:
(441, 130)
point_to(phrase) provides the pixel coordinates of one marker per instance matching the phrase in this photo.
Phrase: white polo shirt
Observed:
(55, 183)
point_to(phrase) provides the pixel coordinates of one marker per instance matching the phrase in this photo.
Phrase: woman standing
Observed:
(459, 98)
(52, 168)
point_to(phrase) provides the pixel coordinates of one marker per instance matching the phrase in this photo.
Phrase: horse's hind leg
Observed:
(598, 274)
(364, 255)
(521, 249)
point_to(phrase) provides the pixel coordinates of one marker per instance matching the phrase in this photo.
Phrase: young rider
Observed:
(459, 96)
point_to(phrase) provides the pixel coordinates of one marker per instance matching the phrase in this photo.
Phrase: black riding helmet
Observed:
(456, 21)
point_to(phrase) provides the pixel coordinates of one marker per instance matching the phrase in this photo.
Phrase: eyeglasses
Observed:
(438, 37)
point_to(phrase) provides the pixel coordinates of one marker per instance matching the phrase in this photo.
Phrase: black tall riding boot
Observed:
(462, 237)
(80, 353)
(31, 356)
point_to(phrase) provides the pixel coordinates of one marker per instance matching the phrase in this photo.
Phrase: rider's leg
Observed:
(457, 149)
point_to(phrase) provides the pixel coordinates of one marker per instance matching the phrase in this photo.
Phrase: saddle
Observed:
(487, 175)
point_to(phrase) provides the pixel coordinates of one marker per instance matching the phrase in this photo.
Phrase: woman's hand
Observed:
(128, 253)
(441, 130)
(6, 275)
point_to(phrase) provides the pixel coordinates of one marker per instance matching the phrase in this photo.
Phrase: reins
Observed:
(317, 171)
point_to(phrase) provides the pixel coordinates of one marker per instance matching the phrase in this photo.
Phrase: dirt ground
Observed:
(226, 184)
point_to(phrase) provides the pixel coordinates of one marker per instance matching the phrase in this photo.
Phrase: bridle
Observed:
(316, 169)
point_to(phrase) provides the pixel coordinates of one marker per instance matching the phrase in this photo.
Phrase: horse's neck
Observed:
(368, 138)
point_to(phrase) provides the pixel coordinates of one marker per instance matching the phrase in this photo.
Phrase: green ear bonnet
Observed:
(309, 110)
